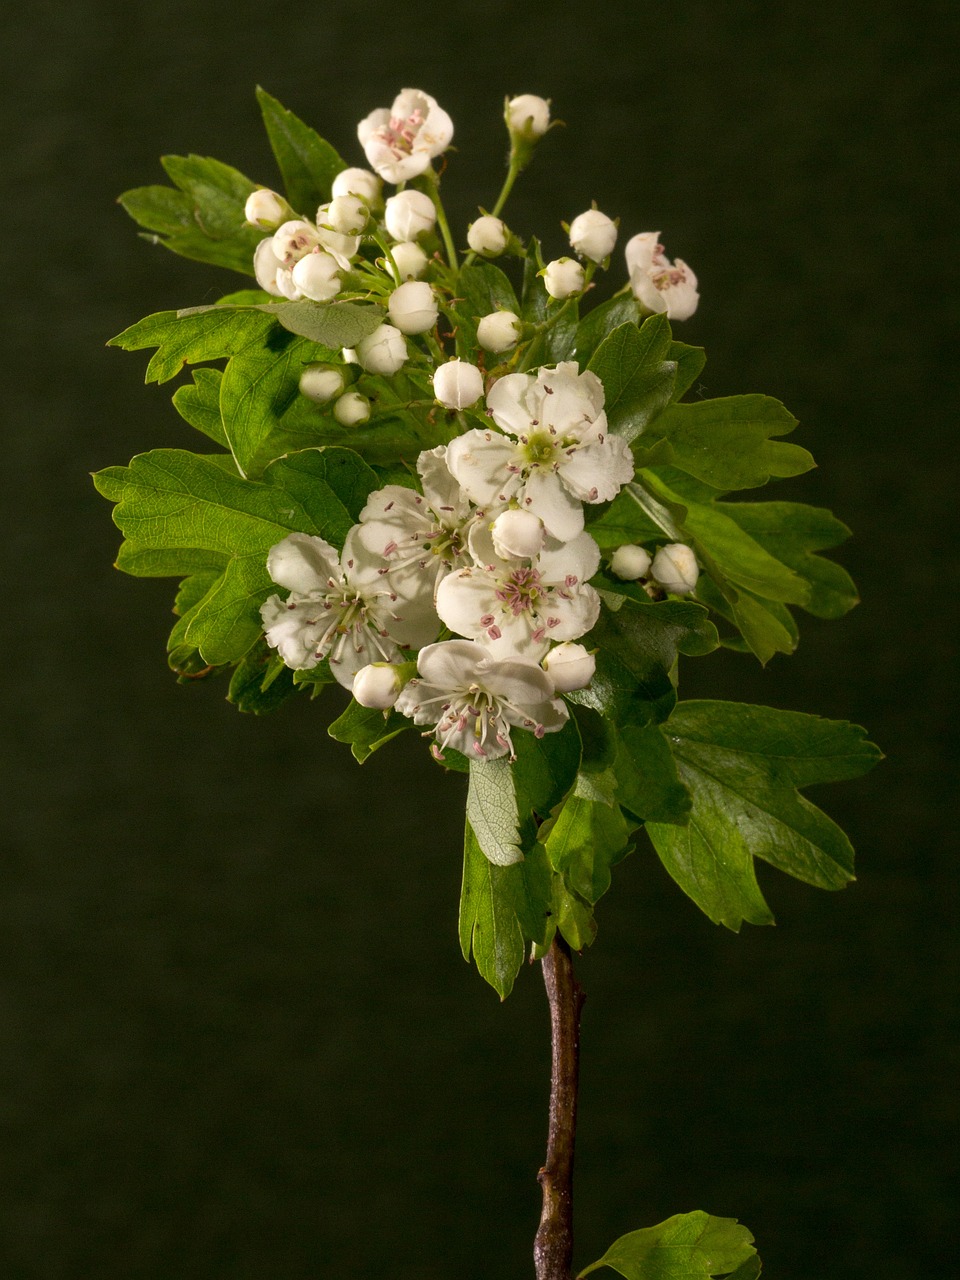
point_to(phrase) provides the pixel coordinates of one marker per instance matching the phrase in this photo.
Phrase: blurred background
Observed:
(237, 1037)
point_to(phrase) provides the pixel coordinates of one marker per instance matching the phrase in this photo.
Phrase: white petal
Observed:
(479, 460)
(303, 563)
(451, 664)
(514, 402)
(580, 557)
(466, 596)
(640, 250)
(546, 496)
(572, 617)
(597, 472)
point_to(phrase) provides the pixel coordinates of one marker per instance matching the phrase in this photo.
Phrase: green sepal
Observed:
(307, 164)
(638, 378)
(743, 766)
(688, 1246)
(366, 729)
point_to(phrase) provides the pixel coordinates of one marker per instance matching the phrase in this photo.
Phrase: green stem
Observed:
(434, 184)
(512, 174)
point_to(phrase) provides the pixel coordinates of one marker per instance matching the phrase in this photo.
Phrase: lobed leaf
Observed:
(308, 164)
(366, 729)
(637, 377)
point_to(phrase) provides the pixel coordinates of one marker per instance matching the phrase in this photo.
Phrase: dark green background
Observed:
(238, 1039)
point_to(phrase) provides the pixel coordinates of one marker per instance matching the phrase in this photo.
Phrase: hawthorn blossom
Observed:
(675, 568)
(419, 538)
(516, 607)
(657, 283)
(401, 141)
(474, 700)
(558, 453)
(339, 607)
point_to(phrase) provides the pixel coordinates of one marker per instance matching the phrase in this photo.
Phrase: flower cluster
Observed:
(459, 602)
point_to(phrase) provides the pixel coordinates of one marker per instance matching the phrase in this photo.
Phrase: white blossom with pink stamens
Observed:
(658, 284)
(401, 141)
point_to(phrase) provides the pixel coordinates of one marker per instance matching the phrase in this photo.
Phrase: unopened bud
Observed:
(528, 115)
(675, 568)
(347, 215)
(383, 351)
(409, 214)
(570, 667)
(563, 278)
(321, 382)
(630, 562)
(267, 268)
(488, 235)
(358, 182)
(517, 533)
(352, 409)
(378, 685)
(458, 384)
(593, 235)
(265, 209)
(410, 259)
(317, 276)
(413, 307)
(499, 331)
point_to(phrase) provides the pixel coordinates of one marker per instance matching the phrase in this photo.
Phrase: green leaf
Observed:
(793, 533)
(727, 442)
(688, 1246)
(601, 321)
(621, 521)
(500, 907)
(492, 810)
(307, 164)
(638, 642)
(332, 324)
(646, 773)
(690, 362)
(545, 768)
(367, 729)
(482, 288)
(743, 765)
(207, 334)
(199, 404)
(203, 219)
(252, 690)
(588, 836)
(637, 377)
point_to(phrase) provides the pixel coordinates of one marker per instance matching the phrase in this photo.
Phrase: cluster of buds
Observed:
(490, 548)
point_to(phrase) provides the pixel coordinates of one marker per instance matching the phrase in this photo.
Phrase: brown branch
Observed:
(553, 1245)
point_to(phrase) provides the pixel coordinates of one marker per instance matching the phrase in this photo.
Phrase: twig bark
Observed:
(553, 1245)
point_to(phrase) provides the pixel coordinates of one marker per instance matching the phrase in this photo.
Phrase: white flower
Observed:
(420, 537)
(378, 685)
(528, 115)
(499, 331)
(342, 247)
(475, 701)
(409, 214)
(339, 608)
(458, 384)
(513, 608)
(413, 307)
(570, 666)
(271, 274)
(348, 215)
(383, 351)
(410, 259)
(557, 455)
(358, 182)
(352, 409)
(593, 235)
(294, 240)
(320, 382)
(675, 568)
(563, 277)
(657, 283)
(518, 534)
(400, 142)
(265, 209)
(488, 235)
(317, 276)
(630, 562)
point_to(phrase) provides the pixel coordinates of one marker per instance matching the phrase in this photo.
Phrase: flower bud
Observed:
(570, 666)
(317, 276)
(265, 209)
(352, 409)
(358, 182)
(518, 534)
(528, 116)
(409, 214)
(458, 384)
(383, 351)
(499, 331)
(413, 307)
(563, 278)
(410, 259)
(293, 240)
(347, 215)
(321, 382)
(378, 685)
(675, 568)
(488, 235)
(271, 274)
(630, 562)
(593, 235)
